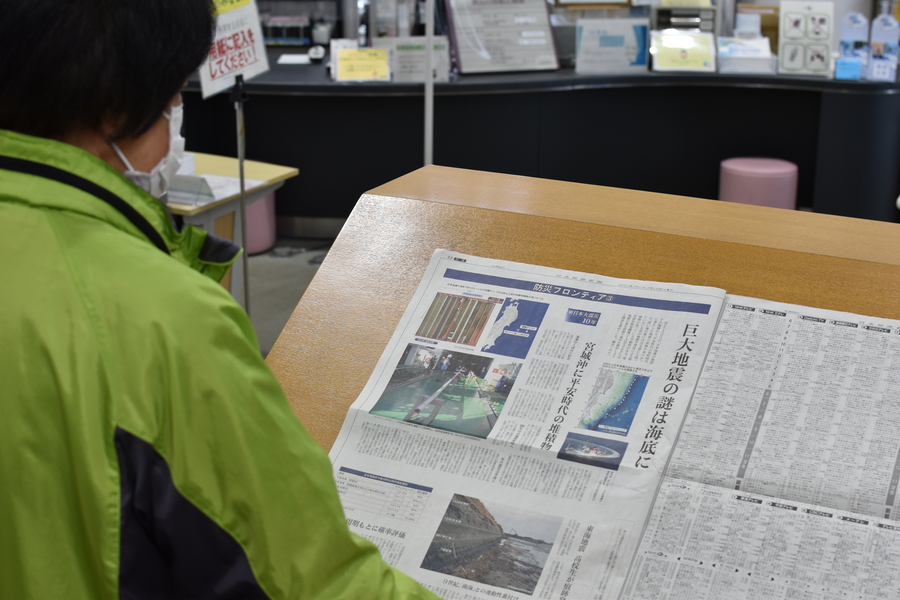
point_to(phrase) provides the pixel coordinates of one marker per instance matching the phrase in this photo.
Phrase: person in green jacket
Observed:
(146, 451)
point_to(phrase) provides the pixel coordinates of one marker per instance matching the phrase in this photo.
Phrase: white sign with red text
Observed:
(238, 48)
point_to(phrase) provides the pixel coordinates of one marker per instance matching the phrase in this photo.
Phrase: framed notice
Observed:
(676, 50)
(407, 57)
(238, 48)
(501, 35)
(804, 38)
(363, 64)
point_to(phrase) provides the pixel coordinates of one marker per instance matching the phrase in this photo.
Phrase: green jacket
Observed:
(146, 450)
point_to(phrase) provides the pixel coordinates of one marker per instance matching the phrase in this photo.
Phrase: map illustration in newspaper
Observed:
(516, 326)
(614, 398)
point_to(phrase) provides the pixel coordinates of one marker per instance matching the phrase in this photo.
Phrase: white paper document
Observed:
(499, 35)
(224, 187)
(514, 441)
(709, 543)
(801, 404)
(407, 57)
(294, 59)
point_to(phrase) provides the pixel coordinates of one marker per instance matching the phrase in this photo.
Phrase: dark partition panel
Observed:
(657, 133)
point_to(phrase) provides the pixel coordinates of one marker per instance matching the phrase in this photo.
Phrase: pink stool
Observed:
(260, 225)
(760, 181)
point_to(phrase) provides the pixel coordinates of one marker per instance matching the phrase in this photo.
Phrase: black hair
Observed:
(80, 65)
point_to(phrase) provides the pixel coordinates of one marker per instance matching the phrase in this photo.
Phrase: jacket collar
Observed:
(102, 192)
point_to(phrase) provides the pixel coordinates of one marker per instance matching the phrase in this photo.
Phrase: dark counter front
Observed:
(655, 132)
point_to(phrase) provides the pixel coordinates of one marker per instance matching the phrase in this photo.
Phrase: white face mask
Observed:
(156, 182)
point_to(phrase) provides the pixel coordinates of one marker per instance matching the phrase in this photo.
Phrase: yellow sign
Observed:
(363, 64)
(223, 6)
(674, 50)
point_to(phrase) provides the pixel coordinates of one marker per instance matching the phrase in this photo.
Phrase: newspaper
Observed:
(537, 433)
(513, 435)
(784, 479)
(799, 403)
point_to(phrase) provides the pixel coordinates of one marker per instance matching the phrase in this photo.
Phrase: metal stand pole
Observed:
(429, 82)
(239, 96)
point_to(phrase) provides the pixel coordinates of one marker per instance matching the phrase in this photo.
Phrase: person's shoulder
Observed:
(155, 275)
(184, 348)
(141, 293)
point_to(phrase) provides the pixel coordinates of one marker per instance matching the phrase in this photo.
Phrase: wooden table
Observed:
(223, 217)
(334, 338)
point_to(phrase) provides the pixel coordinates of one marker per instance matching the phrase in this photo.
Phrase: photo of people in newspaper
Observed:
(592, 450)
(614, 398)
(448, 390)
(492, 544)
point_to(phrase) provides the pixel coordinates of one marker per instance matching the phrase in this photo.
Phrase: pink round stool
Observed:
(760, 181)
(260, 225)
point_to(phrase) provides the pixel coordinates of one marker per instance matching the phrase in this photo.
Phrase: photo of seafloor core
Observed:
(594, 451)
(611, 405)
(458, 319)
(493, 544)
(448, 390)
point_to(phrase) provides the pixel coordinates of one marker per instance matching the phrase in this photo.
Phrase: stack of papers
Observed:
(742, 55)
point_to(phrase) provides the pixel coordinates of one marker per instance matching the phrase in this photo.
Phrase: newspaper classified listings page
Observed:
(783, 482)
(511, 440)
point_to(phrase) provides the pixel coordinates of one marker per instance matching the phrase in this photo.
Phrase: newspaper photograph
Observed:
(512, 438)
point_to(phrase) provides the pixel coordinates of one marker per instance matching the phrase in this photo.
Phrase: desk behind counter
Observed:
(656, 132)
(224, 217)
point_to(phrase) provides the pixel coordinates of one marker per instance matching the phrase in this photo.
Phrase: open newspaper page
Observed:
(512, 437)
(783, 482)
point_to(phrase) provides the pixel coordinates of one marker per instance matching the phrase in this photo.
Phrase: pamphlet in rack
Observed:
(514, 438)
(612, 46)
(500, 36)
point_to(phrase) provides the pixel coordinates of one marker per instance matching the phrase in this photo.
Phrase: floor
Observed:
(278, 279)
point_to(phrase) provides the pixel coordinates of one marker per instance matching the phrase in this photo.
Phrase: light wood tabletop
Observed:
(211, 164)
(335, 336)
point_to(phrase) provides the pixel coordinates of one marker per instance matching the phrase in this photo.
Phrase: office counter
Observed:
(656, 132)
